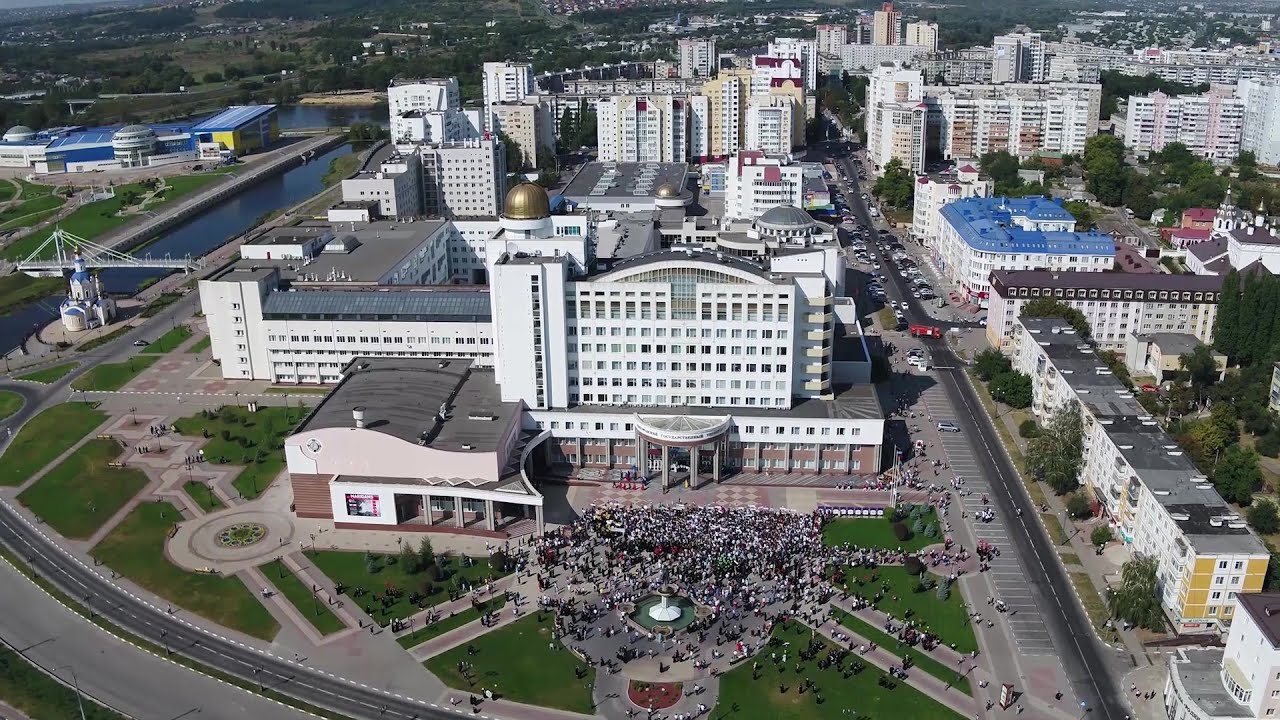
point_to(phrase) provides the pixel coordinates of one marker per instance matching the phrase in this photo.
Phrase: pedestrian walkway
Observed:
(524, 585)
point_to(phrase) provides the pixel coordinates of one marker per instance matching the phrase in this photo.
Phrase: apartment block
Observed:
(1115, 304)
(529, 123)
(831, 37)
(896, 117)
(886, 26)
(806, 51)
(979, 235)
(1020, 58)
(464, 179)
(772, 124)
(1211, 125)
(756, 181)
(937, 189)
(1159, 503)
(643, 128)
(506, 82)
(697, 57)
(922, 34)
(1020, 118)
(1261, 135)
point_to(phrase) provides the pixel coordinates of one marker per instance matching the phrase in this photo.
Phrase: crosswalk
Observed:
(1006, 570)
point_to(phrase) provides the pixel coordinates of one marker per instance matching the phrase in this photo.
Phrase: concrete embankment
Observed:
(135, 234)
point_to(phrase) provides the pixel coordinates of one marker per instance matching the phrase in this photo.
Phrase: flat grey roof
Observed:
(693, 253)
(421, 305)
(402, 398)
(1201, 677)
(379, 248)
(1155, 458)
(1172, 343)
(618, 181)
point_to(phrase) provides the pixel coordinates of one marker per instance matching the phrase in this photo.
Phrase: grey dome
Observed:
(19, 133)
(130, 131)
(786, 217)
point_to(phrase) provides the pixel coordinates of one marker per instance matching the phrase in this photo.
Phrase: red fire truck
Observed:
(926, 331)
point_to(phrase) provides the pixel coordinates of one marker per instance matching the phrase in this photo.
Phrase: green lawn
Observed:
(82, 492)
(19, 289)
(239, 437)
(168, 341)
(776, 693)
(135, 549)
(161, 302)
(34, 190)
(518, 663)
(919, 658)
(104, 339)
(200, 345)
(49, 374)
(30, 690)
(28, 220)
(202, 495)
(91, 220)
(45, 437)
(948, 619)
(878, 532)
(315, 610)
(113, 376)
(350, 569)
(424, 633)
(10, 403)
(7, 190)
(43, 204)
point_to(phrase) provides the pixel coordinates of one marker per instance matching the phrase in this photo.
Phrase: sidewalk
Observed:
(472, 630)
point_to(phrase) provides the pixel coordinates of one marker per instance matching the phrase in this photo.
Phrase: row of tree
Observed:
(1005, 384)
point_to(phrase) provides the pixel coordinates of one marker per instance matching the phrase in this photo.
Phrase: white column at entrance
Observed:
(848, 459)
(715, 462)
(489, 520)
(537, 513)
(787, 461)
(426, 510)
(458, 520)
(642, 457)
(666, 467)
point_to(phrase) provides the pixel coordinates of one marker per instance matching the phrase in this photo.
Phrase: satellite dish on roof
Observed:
(513, 248)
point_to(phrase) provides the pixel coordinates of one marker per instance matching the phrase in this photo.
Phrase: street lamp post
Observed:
(75, 682)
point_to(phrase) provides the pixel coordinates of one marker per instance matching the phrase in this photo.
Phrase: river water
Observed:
(206, 231)
(314, 116)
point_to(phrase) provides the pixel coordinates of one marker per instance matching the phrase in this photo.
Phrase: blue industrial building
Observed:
(232, 132)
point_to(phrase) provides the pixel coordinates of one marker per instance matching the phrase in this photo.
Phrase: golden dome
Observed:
(526, 201)
(667, 190)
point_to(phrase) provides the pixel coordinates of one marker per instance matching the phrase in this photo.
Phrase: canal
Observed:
(200, 234)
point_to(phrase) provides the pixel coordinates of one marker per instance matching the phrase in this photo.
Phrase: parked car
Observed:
(1150, 388)
(140, 343)
(948, 427)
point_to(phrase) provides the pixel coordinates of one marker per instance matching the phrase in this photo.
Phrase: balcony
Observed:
(825, 318)
(824, 334)
(823, 301)
(818, 368)
(817, 385)
(818, 351)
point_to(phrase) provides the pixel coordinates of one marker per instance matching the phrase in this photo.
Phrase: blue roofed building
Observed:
(240, 129)
(97, 149)
(978, 235)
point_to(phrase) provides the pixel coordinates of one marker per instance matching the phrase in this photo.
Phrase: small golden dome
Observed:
(526, 201)
(667, 190)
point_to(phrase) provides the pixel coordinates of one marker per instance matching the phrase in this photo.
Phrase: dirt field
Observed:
(354, 98)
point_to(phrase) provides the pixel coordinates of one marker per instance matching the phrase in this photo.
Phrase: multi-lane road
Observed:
(1089, 667)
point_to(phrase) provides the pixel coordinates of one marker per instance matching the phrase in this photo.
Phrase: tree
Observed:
(1086, 218)
(1056, 455)
(1012, 388)
(1100, 536)
(1247, 165)
(1028, 429)
(1237, 475)
(1105, 173)
(1136, 599)
(1264, 518)
(548, 168)
(1200, 367)
(1078, 506)
(408, 561)
(426, 554)
(1002, 168)
(515, 155)
(895, 186)
(990, 363)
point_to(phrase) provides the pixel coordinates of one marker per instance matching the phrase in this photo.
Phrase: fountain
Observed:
(665, 611)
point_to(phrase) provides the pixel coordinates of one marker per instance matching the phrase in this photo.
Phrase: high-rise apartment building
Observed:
(1019, 58)
(506, 82)
(1261, 134)
(831, 37)
(697, 57)
(428, 94)
(806, 51)
(1023, 119)
(887, 26)
(924, 34)
(771, 123)
(727, 98)
(896, 117)
(643, 128)
(1210, 125)
(528, 123)
(430, 110)
(464, 179)
(935, 190)
(863, 30)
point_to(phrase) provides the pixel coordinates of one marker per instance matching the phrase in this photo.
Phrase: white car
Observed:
(948, 427)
